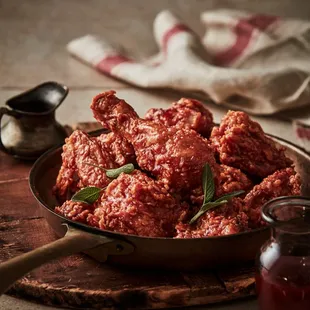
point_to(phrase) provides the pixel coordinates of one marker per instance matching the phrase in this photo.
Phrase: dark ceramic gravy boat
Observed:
(32, 128)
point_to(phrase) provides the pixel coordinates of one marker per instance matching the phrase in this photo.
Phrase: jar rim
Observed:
(269, 208)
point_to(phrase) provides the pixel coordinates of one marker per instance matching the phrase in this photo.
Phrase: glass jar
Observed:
(283, 273)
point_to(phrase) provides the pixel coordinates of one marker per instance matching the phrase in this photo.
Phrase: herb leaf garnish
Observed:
(208, 184)
(206, 207)
(208, 191)
(229, 196)
(114, 173)
(87, 195)
(91, 194)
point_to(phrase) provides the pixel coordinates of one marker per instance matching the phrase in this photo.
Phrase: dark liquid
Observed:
(32, 106)
(286, 286)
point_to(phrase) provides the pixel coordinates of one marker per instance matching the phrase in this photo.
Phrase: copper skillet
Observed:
(130, 250)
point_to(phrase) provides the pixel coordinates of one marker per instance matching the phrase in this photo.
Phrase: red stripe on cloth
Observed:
(262, 22)
(172, 32)
(244, 30)
(303, 133)
(107, 64)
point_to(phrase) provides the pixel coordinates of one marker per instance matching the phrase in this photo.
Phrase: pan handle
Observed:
(73, 242)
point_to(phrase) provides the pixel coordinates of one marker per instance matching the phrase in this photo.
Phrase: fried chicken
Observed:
(283, 182)
(81, 152)
(241, 143)
(136, 204)
(224, 220)
(77, 211)
(169, 149)
(173, 156)
(120, 150)
(243, 214)
(185, 113)
(229, 180)
(226, 180)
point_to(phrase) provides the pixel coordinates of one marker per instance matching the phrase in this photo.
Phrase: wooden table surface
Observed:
(33, 35)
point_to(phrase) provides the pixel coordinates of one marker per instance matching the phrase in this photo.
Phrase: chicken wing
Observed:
(225, 220)
(136, 204)
(241, 143)
(119, 149)
(77, 211)
(226, 180)
(185, 113)
(174, 156)
(283, 182)
(79, 155)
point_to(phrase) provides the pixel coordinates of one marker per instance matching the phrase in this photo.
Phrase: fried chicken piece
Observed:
(185, 113)
(224, 220)
(231, 179)
(226, 180)
(283, 182)
(241, 143)
(67, 180)
(136, 204)
(174, 156)
(120, 150)
(77, 211)
(81, 150)
(74, 172)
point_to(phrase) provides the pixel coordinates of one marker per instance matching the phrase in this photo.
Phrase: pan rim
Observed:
(113, 234)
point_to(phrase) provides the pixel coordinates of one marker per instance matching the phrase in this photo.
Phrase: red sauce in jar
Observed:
(286, 285)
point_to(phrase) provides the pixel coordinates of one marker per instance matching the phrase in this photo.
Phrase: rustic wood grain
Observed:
(81, 282)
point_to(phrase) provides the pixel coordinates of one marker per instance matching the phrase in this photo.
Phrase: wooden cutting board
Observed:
(81, 282)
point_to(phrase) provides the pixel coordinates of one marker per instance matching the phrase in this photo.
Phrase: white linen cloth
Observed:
(256, 63)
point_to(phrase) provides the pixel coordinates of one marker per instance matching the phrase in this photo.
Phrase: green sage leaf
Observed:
(207, 184)
(114, 173)
(229, 196)
(206, 207)
(87, 195)
(196, 217)
(208, 191)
